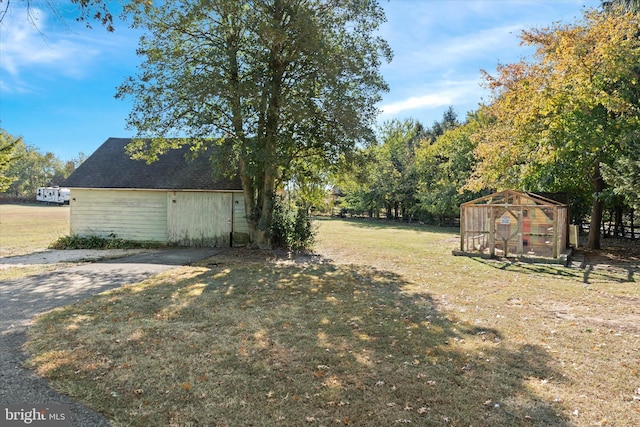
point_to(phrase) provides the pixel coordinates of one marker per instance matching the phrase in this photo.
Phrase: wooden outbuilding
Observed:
(514, 224)
(174, 200)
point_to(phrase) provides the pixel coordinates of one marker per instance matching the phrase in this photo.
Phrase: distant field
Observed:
(29, 228)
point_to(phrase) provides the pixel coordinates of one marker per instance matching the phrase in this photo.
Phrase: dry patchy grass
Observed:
(382, 327)
(25, 229)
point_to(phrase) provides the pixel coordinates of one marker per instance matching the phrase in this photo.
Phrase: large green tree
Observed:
(624, 177)
(276, 82)
(624, 174)
(444, 165)
(411, 171)
(562, 116)
(8, 145)
(354, 183)
(32, 169)
(394, 174)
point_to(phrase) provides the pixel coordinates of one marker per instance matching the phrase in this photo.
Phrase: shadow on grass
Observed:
(587, 275)
(285, 343)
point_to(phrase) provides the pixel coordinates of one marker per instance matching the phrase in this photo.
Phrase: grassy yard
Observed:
(382, 326)
(29, 228)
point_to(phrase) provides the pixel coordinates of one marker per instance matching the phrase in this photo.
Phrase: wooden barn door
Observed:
(199, 218)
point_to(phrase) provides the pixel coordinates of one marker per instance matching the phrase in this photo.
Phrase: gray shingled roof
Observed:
(110, 167)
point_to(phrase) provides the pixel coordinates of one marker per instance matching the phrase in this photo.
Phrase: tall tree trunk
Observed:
(619, 223)
(273, 86)
(263, 229)
(597, 208)
(249, 201)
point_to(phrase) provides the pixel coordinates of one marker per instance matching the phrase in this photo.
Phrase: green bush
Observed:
(96, 242)
(292, 227)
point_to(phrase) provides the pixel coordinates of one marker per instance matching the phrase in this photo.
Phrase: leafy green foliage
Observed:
(444, 166)
(562, 116)
(97, 242)
(282, 83)
(621, 5)
(383, 175)
(624, 176)
(30, 169)
(8, 146)
(414, 172)
(292, 227)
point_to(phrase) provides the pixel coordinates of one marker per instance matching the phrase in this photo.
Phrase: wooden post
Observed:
(462, 228)
(492, 232)
(555, 232)
(519, 245)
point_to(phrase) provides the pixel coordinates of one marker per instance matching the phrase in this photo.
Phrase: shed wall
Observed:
(511, 230)
(130, 215)
(240, 226)
(199, 218)
(186, 218)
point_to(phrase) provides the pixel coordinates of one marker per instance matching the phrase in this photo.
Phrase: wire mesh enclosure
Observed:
(514, 224)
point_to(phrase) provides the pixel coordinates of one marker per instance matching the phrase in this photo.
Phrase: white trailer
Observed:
(55, 195)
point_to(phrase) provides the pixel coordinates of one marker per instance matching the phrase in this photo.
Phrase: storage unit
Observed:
(53, 195)
(174, 200)
(514, 224)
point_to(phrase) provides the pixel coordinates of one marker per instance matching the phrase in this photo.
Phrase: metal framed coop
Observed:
(514, 224)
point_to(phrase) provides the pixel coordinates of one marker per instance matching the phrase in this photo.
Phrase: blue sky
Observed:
(57, 81)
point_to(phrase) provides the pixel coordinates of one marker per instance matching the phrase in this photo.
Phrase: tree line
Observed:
(24, 168)
(411, 172)
(566, 121)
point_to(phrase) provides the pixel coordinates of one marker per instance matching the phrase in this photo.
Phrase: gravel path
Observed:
(21, 299)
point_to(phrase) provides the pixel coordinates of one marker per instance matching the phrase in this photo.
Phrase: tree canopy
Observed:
(275, 82)
(8, 145)
(559, 118)
(623, 5)
(412, 171)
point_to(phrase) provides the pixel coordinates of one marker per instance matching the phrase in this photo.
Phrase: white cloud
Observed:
(483, 46)
(415, 102)
(492, 40)
(434, 96)
(30, 45)
(441, 46)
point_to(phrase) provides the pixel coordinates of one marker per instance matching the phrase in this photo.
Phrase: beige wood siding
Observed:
(127, 214)
(240, 226)
(199, 218)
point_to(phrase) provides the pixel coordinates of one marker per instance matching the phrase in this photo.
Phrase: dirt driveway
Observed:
(23, 298)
